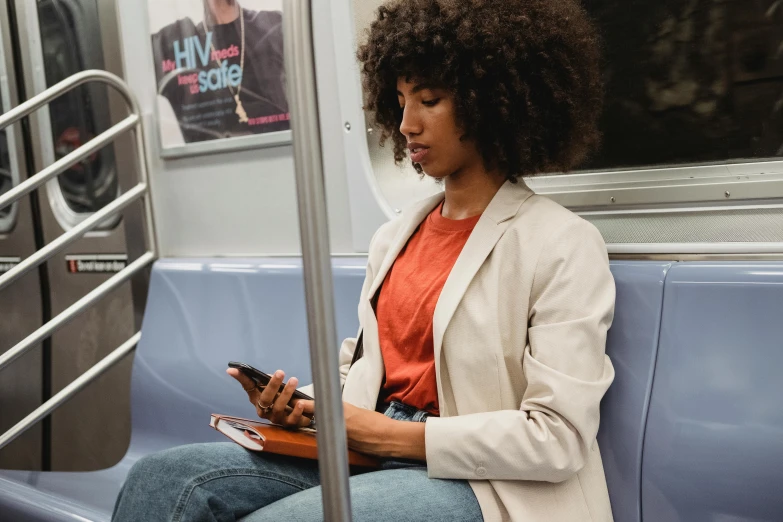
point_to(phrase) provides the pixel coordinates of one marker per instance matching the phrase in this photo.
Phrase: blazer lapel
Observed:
(490, 228)
(411, 221)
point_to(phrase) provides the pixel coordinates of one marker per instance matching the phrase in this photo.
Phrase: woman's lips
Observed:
(419, 154)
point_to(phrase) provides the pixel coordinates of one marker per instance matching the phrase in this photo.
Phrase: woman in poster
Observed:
(223, 77)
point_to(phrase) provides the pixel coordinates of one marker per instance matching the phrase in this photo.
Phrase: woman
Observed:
(484, 311)
(223, 77)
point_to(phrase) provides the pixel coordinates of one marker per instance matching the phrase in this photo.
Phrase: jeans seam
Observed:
(200, 480)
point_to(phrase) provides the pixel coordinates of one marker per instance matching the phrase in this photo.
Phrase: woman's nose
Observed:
(410, 126)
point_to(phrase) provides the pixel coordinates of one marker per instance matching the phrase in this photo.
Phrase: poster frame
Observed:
(203, 148)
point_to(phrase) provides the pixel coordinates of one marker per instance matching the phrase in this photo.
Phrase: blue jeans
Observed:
(224, 482)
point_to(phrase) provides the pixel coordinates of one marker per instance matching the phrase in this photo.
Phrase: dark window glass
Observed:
(6, 178)
(690, 81)
(71, 41)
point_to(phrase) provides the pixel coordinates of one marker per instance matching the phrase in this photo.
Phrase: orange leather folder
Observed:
(263, 436)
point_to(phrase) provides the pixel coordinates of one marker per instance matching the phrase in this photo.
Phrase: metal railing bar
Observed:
(93, 75)
(317, 268)
(58, 89)
(72, 158)
(143, 170)
(75, 309)
(133, 122)
(69, 391)
(72, 235)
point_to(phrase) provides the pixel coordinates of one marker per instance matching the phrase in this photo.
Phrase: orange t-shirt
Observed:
(406, 305)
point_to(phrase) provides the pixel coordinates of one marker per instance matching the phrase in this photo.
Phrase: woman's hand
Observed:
(376, 434)
(274, 406)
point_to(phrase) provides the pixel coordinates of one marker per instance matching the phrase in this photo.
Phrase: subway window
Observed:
(7, 181)
(79, 115)
(690, 81)
(687, 82)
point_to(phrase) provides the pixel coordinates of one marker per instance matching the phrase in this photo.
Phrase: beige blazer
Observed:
(520, 334)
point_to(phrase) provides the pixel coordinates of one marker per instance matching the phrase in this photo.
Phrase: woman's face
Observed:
(430, 125)
(216, 4)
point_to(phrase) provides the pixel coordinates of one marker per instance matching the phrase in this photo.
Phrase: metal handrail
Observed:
(72, 235)
(64, 163)
(75, 310)
(313, 224)
(132, 123)
(69, 391)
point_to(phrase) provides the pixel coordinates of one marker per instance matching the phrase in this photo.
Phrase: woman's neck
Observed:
(223, 11)
(469, 194)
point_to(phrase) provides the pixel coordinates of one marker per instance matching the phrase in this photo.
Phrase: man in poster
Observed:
(223, 77)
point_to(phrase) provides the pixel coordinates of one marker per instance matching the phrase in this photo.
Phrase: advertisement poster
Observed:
(219, 71)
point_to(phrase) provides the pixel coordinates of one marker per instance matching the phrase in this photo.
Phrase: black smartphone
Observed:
(262, 379)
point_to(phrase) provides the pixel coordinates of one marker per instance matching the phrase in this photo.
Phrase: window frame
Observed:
(665, 187)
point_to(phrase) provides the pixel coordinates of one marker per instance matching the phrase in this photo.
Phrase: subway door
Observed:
(92, 430)
(20, 303)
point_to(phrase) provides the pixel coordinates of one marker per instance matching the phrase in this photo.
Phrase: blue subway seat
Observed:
(714, 443)
(202, 313)
(632, 345)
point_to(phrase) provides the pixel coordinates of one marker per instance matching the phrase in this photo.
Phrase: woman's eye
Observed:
(431, 103)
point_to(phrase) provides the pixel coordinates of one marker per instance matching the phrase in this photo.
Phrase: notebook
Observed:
(258, 435)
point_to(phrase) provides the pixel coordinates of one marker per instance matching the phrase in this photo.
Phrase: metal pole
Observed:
(143, 166)
(311, 195)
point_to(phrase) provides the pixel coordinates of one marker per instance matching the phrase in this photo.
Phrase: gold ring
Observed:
(264, 409)
(250, 389)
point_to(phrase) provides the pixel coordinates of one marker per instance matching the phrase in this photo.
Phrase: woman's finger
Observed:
(250, 387)
(294, 419)
(308, 406)
(268, 393)
(306, 421)
(297, 418)
(248, 384)
(307, 409)
(281, 402)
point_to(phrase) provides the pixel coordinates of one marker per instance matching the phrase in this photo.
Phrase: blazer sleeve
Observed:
(566, 368)
(348, 346)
